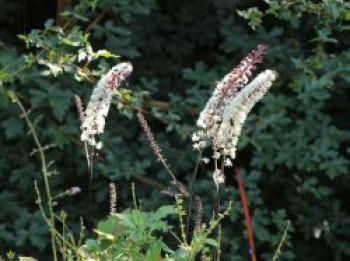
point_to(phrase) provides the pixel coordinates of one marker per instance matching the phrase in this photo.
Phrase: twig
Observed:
(61, 5)
(175, 236)
(149, 181)
(97, 19)
(91, 169)
(199, 213)
(133, 195)
(216, 211)
(166, 106)
(219, 241)
(153, 143)
(181, 213)
(281, 243)
(194, 176)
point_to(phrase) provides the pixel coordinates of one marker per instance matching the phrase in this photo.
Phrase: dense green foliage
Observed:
(137, 235)
(295, 149)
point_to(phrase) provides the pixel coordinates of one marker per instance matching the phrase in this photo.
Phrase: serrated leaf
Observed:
(126, 219)
(13, 128)
(38, 97)
(164, 211)
(107, 226)
(154, 252)
(59, 101)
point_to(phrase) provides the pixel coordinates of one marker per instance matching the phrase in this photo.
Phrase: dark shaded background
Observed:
(295, 150)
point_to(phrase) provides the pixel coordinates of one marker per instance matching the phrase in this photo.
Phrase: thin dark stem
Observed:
(97, 19)
(216, 210)
(91, 179)
(216, 255)
(281, 243)
(216, 216)
(166, 166)
(190, 201)
(153, 143)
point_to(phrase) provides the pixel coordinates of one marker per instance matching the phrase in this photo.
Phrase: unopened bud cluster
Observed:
(113, 197)
(150, 138)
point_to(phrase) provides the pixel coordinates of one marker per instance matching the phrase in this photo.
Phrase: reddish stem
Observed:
(247, 218)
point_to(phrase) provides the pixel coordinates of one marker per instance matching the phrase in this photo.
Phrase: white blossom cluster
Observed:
(237, 111)
(100, 100)
(223, 117)
(218, 177)
(210, 118)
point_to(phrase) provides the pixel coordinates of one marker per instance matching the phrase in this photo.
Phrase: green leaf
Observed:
(13, 128)
(154, 252)
(324, 36)
(59, 101)
(76, 15)
(22, 37)
(49, 23)
(38, 97)
(107, 226)
(125, 218)
(253, 15)
(164, 211)
(211, 242)
(26, 258)
(4, 75)
(104, 53)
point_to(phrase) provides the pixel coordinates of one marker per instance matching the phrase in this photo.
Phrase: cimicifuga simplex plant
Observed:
(222, 119)
(219, 125)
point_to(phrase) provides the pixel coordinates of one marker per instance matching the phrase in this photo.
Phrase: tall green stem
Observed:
(44, 171)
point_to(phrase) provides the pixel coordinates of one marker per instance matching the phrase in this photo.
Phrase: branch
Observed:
(97, 19)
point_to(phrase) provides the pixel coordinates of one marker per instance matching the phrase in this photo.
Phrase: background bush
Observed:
(295, 151)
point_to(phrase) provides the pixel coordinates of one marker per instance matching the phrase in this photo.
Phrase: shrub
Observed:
(293, 152)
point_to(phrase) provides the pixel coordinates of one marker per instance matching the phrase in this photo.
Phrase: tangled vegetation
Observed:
(61, 198)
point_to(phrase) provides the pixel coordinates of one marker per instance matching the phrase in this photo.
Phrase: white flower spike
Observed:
(98, 107)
